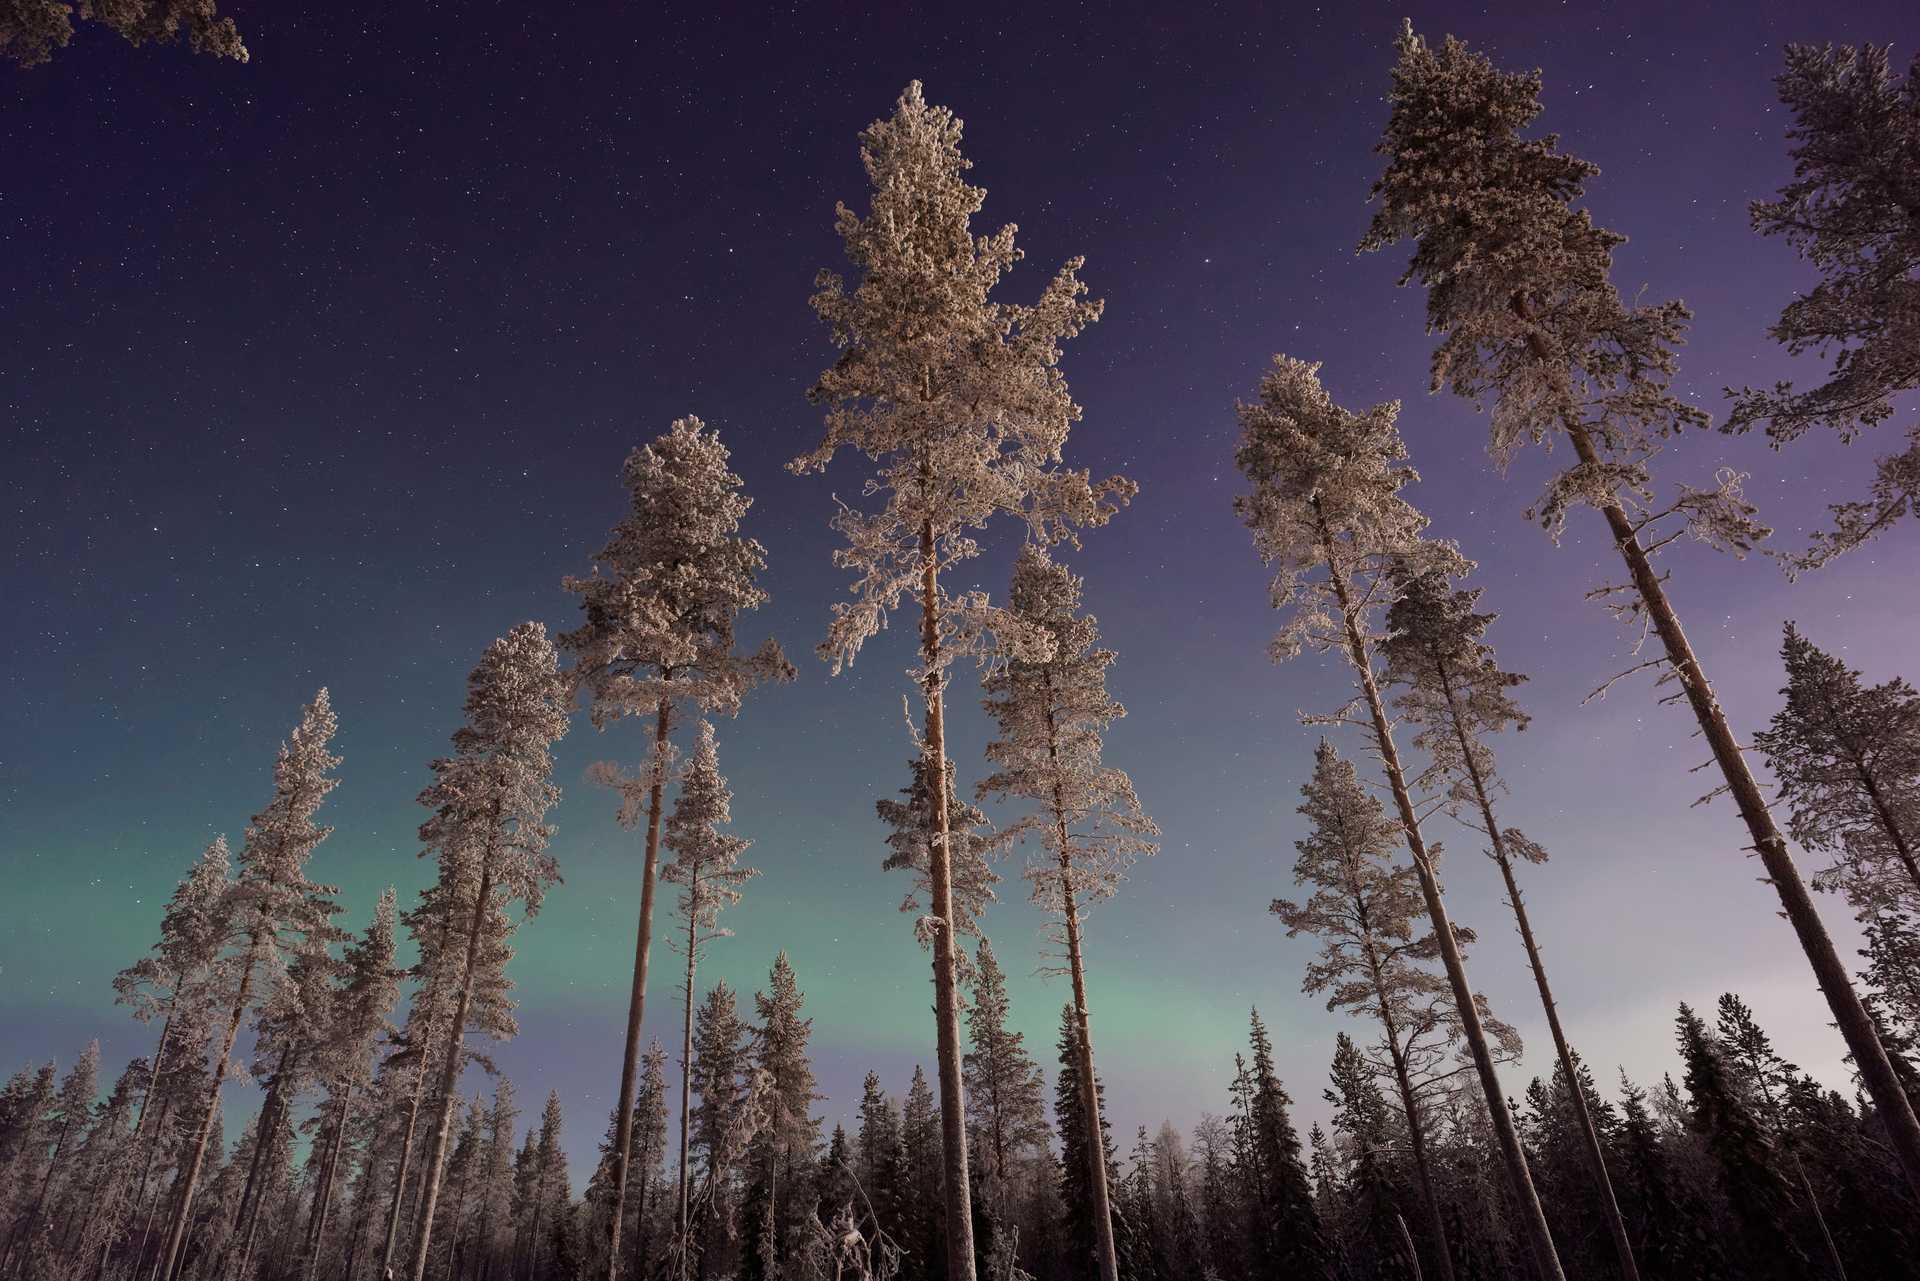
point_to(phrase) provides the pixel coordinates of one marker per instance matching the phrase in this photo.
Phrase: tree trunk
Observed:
(946, 1006)
(1590, 1137)
(1869, 1055)
(190, 1178)
(1539, 1236)
(686, 1078)
(253, 1194)
(637, 998)
(449, 1078)
(1882, 811)
(323, 1200)
(1406, 1239)
(123, 1200)
(1089, 1095)
(1416, 1133)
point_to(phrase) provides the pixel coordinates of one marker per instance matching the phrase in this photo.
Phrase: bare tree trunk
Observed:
(1883, 812)
(323, 1200)
(1869, 1055)
(686, 1079)
(1539, 1236)
(253, 1195)
(946, 1005)
(1089, 1095)
(1416, 1133)
(123, 1201)
(637, 997)
(1820, 1219)
(1590, 1137)
(1406, 1239)
(190, 1178)
(449, 1078)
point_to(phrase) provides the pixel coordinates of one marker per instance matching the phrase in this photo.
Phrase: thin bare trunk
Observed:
(1539, 1236)
(1884, 813)
(1406, 1239)
(190, 1177)
(323, 1200)
(122, 1201)
(253, 1195)
(637, 997)
(1869, 1055)
(1590, 1137)
(1416, 1131)
(686, 1078)
(449, 1078)
(946, 1005)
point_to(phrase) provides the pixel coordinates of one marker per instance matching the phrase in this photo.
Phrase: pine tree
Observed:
(782, 1155)
(169, 984)
(1326, 514)
(1050, 703)
(658, 635)
(1744, 1153)
(1070, 1119)
(960, 402)
(1850, 212)
(1371, 961)
(369, 987)
(1846, 762)
(912, 839)
(706, 863)
(273, 907)
(30, 30)
(923, 1226)
(489, 802)
(720, 1058)
(1519, 285)
(1456, 695)
(1287, 1235)
(1674, 1237)
(66, 1125)
(1005, 1104)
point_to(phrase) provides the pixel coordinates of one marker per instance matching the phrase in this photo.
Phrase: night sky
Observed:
(320, 371)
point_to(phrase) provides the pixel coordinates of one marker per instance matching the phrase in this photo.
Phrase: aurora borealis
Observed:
(319, 371)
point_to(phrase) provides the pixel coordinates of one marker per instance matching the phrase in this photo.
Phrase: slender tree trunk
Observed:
(1820, 1220)
(449, 1078)
(1539, 1236)
(946, 1005)
(253, 1195)
(1590, 1137)
(190, 1177)
(1406, 1239)
(323, 1201)
(637, 997)
(122, 1202)
(1089, 1095)
(686, 1075)
(1869, 1055)
(1884, 813)
(1416, 1131)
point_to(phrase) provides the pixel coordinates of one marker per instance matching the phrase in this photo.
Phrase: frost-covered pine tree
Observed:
(1451, 689)
(271, 908)
(706, 865)
(1846, 763)
(1006, 1103)
(30, 30)
(169, 984)
(490, 800)
(369, 987)
(1852, 211)
(658, 636)
(1050, 703)
(1327, 516)
(781, 1154)
(1519, 283)
(1372, 962)
(959, 400)
(912, 838)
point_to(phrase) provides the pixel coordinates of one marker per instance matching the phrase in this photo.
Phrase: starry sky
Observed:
(320, 371)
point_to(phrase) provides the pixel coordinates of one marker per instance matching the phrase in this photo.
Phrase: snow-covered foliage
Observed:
(30, 30)
(910, 840)
(706, 860)
(1325, 508)
(1052, 708)
(1846, 763)
(956, 397)
(1519, 283)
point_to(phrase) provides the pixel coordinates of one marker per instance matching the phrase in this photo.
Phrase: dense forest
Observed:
(386, 1142)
